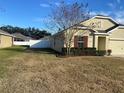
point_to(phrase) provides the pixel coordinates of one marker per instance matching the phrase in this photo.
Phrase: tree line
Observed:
(32, 32)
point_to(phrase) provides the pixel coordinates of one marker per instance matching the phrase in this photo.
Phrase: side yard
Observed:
(31, 71)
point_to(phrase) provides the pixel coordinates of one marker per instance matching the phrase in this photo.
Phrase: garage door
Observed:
(117, 46)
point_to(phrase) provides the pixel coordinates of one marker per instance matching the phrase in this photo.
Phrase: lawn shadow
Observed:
(23, 49)
(41, 51)
(15, 49)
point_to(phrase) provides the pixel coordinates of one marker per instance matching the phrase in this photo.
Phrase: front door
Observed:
(101, 43)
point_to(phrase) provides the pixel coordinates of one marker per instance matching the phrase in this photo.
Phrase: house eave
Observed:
(6, 35)
(106, 34)
(109, 32)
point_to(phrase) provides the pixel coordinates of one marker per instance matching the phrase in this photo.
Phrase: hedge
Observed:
(84, 52)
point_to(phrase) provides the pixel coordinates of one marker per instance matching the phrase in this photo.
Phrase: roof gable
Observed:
(100, 23)
(19, 35)
(112, 24)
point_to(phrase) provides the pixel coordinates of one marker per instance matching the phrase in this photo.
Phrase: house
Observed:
(21, 40)
(20, 37)
(6, 39)
(101, 32)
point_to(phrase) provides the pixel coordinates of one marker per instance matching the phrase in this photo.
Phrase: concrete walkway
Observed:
(118, 56)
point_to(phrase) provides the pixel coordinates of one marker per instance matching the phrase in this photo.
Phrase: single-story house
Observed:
(6, 39)
(101, 32)
(20, 37)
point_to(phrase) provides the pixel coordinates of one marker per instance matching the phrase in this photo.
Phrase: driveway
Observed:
(118, 55)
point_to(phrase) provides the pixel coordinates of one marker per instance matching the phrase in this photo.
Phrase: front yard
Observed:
(30, 71)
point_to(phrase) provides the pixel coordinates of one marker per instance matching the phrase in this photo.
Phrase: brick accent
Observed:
(85, 39)
(76, 41)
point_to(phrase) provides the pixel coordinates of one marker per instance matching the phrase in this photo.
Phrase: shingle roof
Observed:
(5, 33)
(121, 24)
(21, 36)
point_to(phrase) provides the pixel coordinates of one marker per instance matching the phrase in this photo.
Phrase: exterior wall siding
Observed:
(99, 24)
(118, 33)
(116, 41)
(90, 41)
(57, 44)
(117, 46)
(5, 41)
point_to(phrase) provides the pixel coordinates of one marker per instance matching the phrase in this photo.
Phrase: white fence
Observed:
(34, 43)
(39, 44)
(23, 43)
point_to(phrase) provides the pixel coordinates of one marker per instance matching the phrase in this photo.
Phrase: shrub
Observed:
(81, 51)
(109, 51)
(101, 52)
(85, 52)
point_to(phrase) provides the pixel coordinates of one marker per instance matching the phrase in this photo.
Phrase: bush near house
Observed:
(100, 52)
(85, 52)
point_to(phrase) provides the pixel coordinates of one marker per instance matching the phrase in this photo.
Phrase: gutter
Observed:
(102, 34)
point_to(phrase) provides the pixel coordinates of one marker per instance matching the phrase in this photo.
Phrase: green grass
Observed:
(7, 53)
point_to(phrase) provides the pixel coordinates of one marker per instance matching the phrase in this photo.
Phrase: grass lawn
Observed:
(33, 71)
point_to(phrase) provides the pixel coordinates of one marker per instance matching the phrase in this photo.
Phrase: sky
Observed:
(33, 13)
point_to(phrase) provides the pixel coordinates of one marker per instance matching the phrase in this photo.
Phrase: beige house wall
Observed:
(118, 33)
(117, 46)
(90, 41)
(116, 41)
(83, 33)
(96, 42)
(5, 41)
(99, 23)
(107, 42)
(103, 42)
(57, 44)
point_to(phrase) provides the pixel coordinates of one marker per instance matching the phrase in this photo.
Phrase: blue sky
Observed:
(25, 13)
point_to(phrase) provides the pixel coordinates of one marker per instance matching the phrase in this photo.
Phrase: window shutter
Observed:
(75, 41)
(85, 39)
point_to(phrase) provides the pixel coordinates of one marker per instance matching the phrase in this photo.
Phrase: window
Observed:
(18, 39)
(80, 38)
(80, 42)
(80, 45)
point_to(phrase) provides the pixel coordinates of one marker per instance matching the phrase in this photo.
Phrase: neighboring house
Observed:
(21, 40)
(6, 39)
(20, 37)
(101, 32)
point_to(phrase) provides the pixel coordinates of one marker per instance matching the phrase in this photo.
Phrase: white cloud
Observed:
(45, 5)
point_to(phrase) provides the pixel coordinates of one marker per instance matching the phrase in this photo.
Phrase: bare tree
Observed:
(67, 17)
